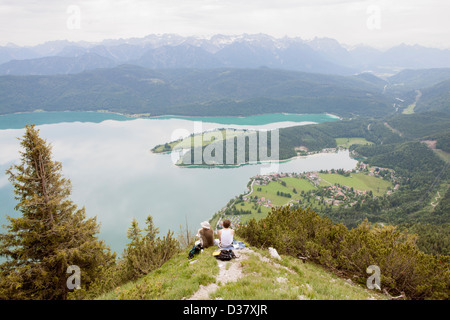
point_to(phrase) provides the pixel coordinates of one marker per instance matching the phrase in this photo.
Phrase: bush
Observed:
(142, 255)
(404, 268)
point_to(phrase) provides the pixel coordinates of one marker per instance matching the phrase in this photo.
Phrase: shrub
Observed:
(404, 268)
(142, 255)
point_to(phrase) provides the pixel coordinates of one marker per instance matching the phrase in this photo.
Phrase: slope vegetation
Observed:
(253, 275)
(215, 92)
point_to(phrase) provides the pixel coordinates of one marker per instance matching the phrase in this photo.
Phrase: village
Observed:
(318, 189)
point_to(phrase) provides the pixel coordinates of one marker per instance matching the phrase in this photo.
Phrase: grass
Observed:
(299, 184)
(255, 214)
(289, 279)
(270, 190)
(409, 109)
(358, 181)
(347, 142)
(443, 155)
(263, 279)
(174, 280)
(204, 139)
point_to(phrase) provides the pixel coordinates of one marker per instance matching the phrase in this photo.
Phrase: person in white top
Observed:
(226, 235)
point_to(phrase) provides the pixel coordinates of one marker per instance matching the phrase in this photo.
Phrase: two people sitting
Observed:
(206, 235)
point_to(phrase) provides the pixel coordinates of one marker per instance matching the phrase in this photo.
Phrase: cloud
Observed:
(32, 22)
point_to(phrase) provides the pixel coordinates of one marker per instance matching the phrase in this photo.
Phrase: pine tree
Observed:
(51, 234)
(134, 233)
(147, 252)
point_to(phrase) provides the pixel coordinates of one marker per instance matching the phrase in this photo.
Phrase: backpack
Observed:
(224, 255)
(195, 250)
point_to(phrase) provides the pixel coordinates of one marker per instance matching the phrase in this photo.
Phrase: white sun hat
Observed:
(205, 224)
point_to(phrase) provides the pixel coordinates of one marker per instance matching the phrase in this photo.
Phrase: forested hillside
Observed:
(421, 171)
(435, 98)
(215, 92)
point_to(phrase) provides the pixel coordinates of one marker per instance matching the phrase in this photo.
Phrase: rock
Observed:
(307, 286)
(281, 280)
(274, 254)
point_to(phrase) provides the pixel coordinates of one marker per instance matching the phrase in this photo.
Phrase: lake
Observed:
(116, 178)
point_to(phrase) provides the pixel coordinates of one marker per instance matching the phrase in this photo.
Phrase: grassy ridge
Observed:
(262, 279)
(404, 268)
(174, 280)
(289, 279)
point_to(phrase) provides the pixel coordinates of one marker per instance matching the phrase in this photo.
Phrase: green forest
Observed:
(131, 89)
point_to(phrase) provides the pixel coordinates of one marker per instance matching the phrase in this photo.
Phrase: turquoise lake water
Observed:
(260, 119)
(18, 120)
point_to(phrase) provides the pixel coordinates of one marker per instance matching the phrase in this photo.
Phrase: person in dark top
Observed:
(206, 234)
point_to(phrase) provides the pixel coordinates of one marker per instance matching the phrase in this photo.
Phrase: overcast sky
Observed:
(378, 23)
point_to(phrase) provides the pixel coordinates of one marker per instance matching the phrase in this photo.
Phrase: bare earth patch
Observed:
(430, 143)
(229, 271)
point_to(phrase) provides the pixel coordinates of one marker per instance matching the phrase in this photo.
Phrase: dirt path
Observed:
(434, 204)
(430, 143)
(393, 129)
(229, 271)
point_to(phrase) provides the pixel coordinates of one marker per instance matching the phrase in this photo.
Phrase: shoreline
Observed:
(230, 166)
(251, 115)
(303, 122)
(86, 111)
(148, 115)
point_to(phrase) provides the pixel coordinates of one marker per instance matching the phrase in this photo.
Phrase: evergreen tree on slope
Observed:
(51, 234)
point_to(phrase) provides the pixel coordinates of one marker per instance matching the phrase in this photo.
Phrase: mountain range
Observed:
(319, 55)
(223, 75)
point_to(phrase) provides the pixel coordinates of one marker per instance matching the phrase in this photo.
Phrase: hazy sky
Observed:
(378, 23)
